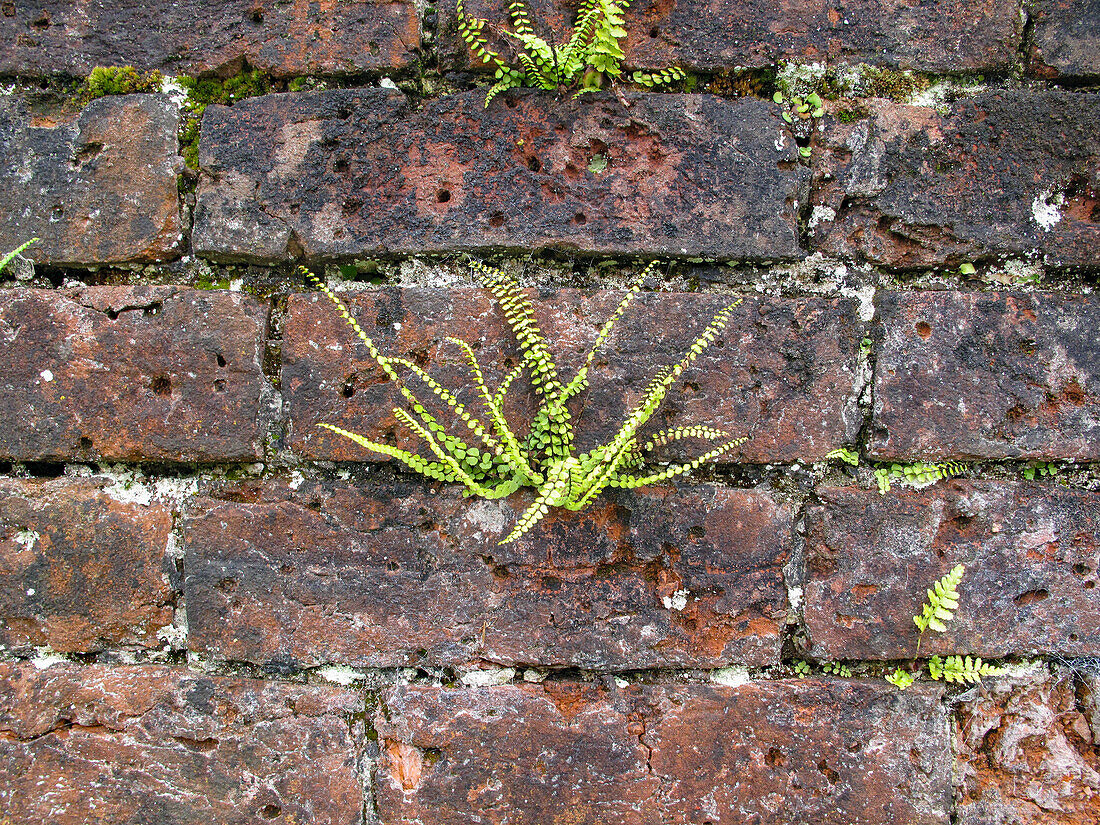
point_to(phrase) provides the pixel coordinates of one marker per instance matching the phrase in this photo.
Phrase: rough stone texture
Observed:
(336, 174)
(708, 36)
(285, 39)
(98, 187)
(1028, 751)
(1065, 38)
(132, 745)
(1031, 552)
(80, 570)
(820, 751)
(401, 574)
(1005, 172)
(130, 373)
(785, 373)
(987, 375)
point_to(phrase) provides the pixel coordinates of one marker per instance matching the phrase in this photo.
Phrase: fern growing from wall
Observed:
(592, 54)
(490, 460)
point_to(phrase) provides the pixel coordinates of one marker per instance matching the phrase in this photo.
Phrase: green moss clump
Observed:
(900, 87)
(117, 80)
(202, 92)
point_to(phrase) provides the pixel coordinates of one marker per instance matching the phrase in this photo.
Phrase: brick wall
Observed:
(211, 610)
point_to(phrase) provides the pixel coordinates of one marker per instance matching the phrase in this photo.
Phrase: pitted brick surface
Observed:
(344, 173)
(405, 574)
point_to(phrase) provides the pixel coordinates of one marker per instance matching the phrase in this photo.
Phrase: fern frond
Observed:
(15, 253)
(900, 679)
(674, 470)
(661, 77)
(962, 669)
(943, 601)
(431, 469)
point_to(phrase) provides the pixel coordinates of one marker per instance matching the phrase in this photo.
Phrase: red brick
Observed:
(988, 375)
(1065, 39)
(1004, 173)
(1027, 751)
(168, 745)
(285, 39)
(704, 36)
(130, 373)
(784, 374)
(1031, 553)
(354, 172)
(80, 570)
(96, 187)
(403, 574)
(821, 751)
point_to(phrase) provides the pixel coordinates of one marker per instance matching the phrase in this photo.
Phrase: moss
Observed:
(849, 112)
(896, 86)
(117, 80)
(201, 92)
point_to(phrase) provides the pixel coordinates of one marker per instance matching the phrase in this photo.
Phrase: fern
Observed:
(492, 461)
(591, 54)
(940, 608)
(15, 253)
(918, 474)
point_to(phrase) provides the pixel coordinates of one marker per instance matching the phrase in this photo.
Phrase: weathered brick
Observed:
(987, 375)
(130, 373)
(1005, 172)
(401, 574)
(80, 570)
(821, 751)
(1031, 553)
(350, 172)
(98, 187)
(1065, 40)
(169, 745)
(706, 36)
(1027, 751)
(784, 373)
(285, 39)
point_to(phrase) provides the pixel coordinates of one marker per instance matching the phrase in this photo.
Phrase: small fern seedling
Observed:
(591, 54)
(937, 611)
(493, 461)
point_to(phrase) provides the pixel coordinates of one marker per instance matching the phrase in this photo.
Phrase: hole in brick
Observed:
(924, 329)
(344, 112)
(1089, 585)
(580, 219)
(219, 385)
(288, 569)
(533, 164)
(511, 102)
(551, 583)
(270, 811)
(829, 773)
(340, 165)
(152, 309)
(226, 585)
(653, 32)
(1081, 570)
(85, 443)
(351, 207)
(1073, 637)
(221, 361)
(347, 391)
(256, 16)
(9, 9)
(200, 745)
(496, 220)
(374, 49)
(295, 208)
(57, 213)
(393, 566)
(775, 758)
(162, 385)
(41, 22)
(697, 532)
(442, 196)
(1031, 596)
(87, 152)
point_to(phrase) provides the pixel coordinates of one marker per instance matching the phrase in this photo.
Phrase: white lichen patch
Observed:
(44, 657)
(821, 214)
(730, 676)
(27, 538)
(794, 596)
(1046, 209)
(866, 297)
(677, 601)
(489, 677)
(171, 87)
(799, 78)
(489, 518)
(46, 376)
(341, 675)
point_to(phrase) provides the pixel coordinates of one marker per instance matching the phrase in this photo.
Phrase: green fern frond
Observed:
(943, 601)
(918, 474)
(900, 679)
(962, 669)
(15, 253)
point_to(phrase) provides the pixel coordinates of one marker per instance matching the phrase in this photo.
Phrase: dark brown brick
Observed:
(98, 187)
(130, 373)
(350, 172)
(1002, 173)
(785, 373)
(80, 570)
(168, 745)
(821, 751)
(1027, 751)
(1065, 39)
(285, 39)
(1031, 553)
(945, 36)
(403, 574)
(987, 375)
